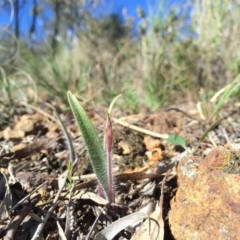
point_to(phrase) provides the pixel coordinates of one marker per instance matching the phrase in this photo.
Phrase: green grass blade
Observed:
(93, 143)
(67, 137)
(112, 103)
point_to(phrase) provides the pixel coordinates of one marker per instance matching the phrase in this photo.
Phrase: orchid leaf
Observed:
(92, 141)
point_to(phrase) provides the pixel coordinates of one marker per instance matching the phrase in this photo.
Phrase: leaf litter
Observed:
(146, 171)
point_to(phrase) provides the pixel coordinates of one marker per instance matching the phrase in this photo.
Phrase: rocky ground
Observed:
(189, 192)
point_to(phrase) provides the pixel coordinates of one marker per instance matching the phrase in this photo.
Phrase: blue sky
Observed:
(130, 5)
(114, 6)
(149, 6)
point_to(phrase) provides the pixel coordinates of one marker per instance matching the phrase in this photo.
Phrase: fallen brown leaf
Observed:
(8, 133)
(151, 143)
(25, 123)
(125, 147)
(154, 155)
(30, 149)
(149, 230)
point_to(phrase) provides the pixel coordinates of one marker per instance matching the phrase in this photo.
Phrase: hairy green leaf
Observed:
(92, 141)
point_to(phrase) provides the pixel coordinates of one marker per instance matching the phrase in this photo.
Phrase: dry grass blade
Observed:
(61, 232)
(69, 216)
(27, 197)
(66, 134)
(161, 221)
(39, 110)
(11, 16)
(122, 177)
(146, 231)
(94, 224)
(54, 204)
(6, 194)
(10, 232)
(142, 130)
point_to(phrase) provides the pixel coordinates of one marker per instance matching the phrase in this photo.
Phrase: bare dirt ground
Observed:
(34, 156)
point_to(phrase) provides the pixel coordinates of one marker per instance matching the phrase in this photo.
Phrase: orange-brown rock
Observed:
(207, 202)
(218, 158)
